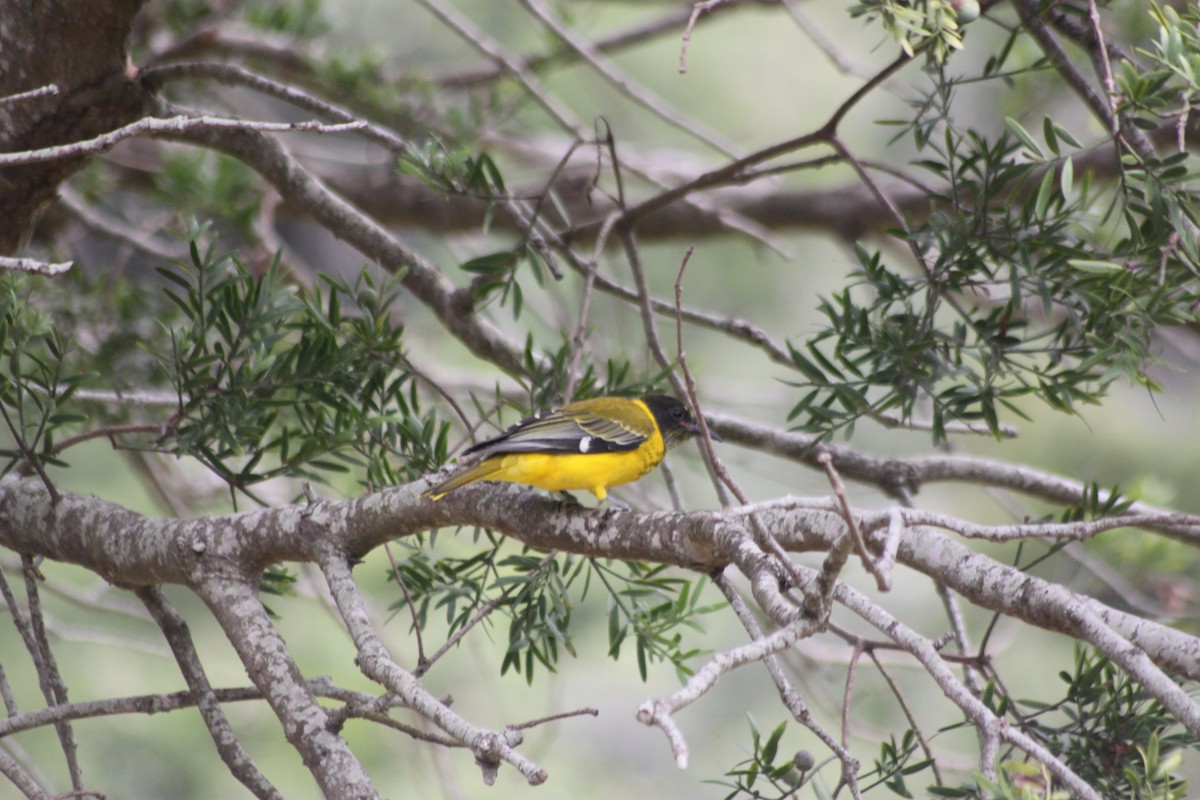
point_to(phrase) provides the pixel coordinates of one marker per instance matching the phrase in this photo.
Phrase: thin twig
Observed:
(491, 748)
(860, 546)
(908, 714)
(412, 607)
(34, 266)
(53, 686)
(109, 432)
(712, 462)
(170, 126)
(533, 723)
(848, 692)
(31, 460)
(90, 215)
(634, 35)
(49, 90)
(611, 73)
(561, 115)
(234, 75)
(791, 699)
(698, 9)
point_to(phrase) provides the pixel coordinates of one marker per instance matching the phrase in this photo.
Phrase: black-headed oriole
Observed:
(592, 444)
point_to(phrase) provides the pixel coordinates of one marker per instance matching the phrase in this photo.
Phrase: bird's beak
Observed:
(695, 428)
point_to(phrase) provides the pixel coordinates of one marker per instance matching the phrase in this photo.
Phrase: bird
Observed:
(590, 444)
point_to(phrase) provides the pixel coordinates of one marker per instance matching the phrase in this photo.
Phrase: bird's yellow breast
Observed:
(594, 472)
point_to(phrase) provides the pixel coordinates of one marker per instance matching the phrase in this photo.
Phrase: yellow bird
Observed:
(591, 444)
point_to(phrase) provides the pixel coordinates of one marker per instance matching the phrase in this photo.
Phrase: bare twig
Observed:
(561, 115)
(791, 699)
(913, 725)
(490, 748)
(234, 75)
(33, 265)
(611, 73)
(839, 489)
(91, 216)
(412, 607)
(698, 9)
(108, 432)
(981, 717)
(170, 126)
(637, 34)
(49, 90)
(54, 688)
(533, 723)
(6, 692)
(235, 603)
(21, 779)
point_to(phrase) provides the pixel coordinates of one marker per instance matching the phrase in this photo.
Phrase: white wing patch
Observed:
(585, 444)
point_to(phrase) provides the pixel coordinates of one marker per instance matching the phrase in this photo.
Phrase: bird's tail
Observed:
(480, 472)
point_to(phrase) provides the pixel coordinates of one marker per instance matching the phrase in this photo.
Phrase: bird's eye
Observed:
(677, 413)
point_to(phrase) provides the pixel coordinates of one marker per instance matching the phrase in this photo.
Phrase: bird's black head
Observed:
(674, 419)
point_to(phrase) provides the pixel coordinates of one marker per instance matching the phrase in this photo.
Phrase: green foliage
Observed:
(1106, 729)
(225, 188)
(359, 77)
(533, 590)
(920, 24)
(302, 18)
(179, 15)
(895, 763)
(652, 606)
(774, 779)
(496, 275)
(1095, 506)
(529, 588)
(549, 370)
(453, 169)
(36, 383)
(539, 610)
(270, 384)
(1111, 732)
(1033, 283)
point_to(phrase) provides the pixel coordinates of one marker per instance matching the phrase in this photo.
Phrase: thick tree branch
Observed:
(175, 629)
(94, 94)
(232, 598)
(127, 548)
(490, 747)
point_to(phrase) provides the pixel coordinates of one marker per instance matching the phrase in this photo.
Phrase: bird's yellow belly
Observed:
(591, 471)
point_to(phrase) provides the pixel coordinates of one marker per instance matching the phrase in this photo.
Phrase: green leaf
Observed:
(1025, 138)
(492, 263)
(1086, 265)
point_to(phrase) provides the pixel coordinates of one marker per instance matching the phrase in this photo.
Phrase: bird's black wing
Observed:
(563, 431)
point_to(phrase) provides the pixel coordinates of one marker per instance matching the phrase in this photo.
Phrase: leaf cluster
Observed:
(1111, 732)
(537, 593)
(273, 384)
(653, 607)
(931, 25)
(1032, 282)
(529, 588)
(36, 382)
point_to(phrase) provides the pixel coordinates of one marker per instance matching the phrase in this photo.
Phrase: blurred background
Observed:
(757, 73)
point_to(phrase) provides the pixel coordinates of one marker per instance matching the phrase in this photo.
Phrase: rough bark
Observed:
(81, 49)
